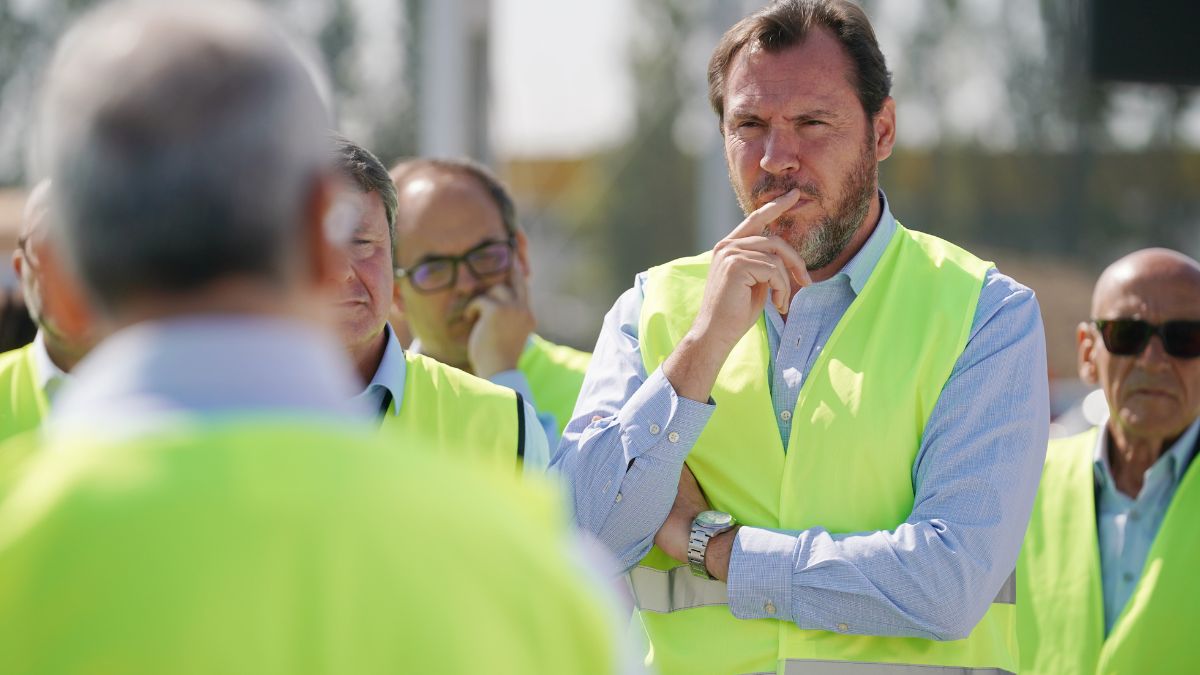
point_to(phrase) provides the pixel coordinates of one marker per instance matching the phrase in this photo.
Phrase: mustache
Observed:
(775, 186)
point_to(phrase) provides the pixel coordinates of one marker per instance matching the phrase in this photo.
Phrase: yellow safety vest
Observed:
(555, 375)
(857, 427)
(457, 413)
(1061, 613)
(22, 403)
(284, 546)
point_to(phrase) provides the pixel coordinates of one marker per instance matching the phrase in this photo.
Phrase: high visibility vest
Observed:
(286, 546)
(857, 427)
(1061, 613)
(23, 404)
(457, 413)
(555, 375)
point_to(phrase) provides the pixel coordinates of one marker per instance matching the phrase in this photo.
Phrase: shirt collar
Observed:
(49, 376)
(391, 372)
(1178, 456)
(860, 267)
(157, 371)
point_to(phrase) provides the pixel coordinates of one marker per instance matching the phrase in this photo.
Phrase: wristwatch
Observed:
(706, 526)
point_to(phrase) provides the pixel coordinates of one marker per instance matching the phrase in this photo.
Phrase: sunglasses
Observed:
(489, 259)
(1129, 337)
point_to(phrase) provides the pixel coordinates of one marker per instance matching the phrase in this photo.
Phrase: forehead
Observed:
(814, 73)
(372, 216)
(445, 214)
(1153, 297)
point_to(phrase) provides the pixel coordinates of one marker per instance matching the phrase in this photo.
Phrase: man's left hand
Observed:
(503, 322)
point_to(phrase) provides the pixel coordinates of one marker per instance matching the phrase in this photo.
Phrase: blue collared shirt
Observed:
(1127, 525)
(50, 377)
(390, 377)
(974, 477)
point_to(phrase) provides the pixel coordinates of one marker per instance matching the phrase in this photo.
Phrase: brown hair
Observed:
(786, 23)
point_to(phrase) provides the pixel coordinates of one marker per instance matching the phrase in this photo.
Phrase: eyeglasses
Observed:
(1129, 337)
(488, 259)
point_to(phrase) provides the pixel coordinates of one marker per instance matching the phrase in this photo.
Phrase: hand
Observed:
(503, 322)
(674, 534)
(745, 266)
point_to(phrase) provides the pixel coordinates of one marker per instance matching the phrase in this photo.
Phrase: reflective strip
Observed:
(1008, 592)
(807, 667)
(664, 591)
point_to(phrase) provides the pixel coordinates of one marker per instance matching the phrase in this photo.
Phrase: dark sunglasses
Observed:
(488, 259)
(1129, 337)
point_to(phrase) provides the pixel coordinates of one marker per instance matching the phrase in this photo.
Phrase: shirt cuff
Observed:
(760, 574)
(515, 380)
(659, 421)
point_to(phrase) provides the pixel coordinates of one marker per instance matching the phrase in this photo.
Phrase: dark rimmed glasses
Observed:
(488, 259)
(1129, 337)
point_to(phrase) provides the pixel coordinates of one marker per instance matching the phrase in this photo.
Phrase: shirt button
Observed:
(769, 608)
(1134, 515)
(673, 437)
(654, 429)
(1128, 577)
(843, 627)
(618, 499)
(785, 415)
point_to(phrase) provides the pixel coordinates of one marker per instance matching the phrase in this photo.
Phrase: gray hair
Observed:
(184, 141)
(368, 173)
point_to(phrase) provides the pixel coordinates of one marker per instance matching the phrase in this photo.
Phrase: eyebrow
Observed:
(817, 114)
(430, 257)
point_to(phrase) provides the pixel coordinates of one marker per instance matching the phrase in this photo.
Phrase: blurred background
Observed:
(1051, 136)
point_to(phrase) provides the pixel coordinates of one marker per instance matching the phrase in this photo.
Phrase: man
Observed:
(208, 500)
(31, 375)
(862, 408)
(464, 288)
(413, 394)
(1106, 578)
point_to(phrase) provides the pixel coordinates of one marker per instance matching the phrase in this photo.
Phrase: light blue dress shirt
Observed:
(974, 477)
(390, 377)
(1127, 525)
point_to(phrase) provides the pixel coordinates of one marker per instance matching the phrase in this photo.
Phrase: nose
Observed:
(466, 282)
(1154, 356)
(781, 152)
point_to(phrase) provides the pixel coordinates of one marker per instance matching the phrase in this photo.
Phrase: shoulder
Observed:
(565, 357)
(422, 370)
(13, 358)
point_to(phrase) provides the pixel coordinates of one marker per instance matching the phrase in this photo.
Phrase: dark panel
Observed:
(1146, 41)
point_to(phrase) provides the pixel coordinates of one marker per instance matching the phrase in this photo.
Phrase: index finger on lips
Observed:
(756, 221)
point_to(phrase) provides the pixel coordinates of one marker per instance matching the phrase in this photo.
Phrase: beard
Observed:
(825, 239)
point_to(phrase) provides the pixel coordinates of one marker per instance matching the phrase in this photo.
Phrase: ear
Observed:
(1085, 342)
(18, 262)
(397, 296)
(522, 250)
(885, 129)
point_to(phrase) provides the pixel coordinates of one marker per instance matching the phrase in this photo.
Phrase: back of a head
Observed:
(184, 140)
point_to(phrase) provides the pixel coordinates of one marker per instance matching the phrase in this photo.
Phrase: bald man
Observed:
(1107, 576)
(31, 375)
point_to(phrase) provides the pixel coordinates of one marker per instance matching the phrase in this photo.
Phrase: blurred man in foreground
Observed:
(464, 287)
(415, 396)
(31, 375)
(1107, 577)
(209, 502)
(862, 408)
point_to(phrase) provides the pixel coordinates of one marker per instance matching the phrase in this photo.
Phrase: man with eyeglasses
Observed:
(1107, 576)
(31, 375)
(463, 271)
(414, 394)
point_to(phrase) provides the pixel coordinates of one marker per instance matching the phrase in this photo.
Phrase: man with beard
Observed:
(415, 396)
(815, 447)
(464, 286)
(30, 376)
(1107, 575)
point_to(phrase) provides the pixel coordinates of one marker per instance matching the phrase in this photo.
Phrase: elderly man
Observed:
(31, 375)
(464, 268)
(208, 500)
(1107, 576)
(831, 426)
(413, 394)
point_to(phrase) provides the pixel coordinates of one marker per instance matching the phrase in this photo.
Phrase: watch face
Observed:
(714, 519)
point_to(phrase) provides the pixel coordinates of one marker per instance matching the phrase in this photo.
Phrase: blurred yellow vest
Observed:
(22, 404)
(555, 375)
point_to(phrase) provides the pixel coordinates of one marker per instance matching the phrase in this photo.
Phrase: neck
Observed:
(1131, 455)
(63, 356)
(368, 356)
